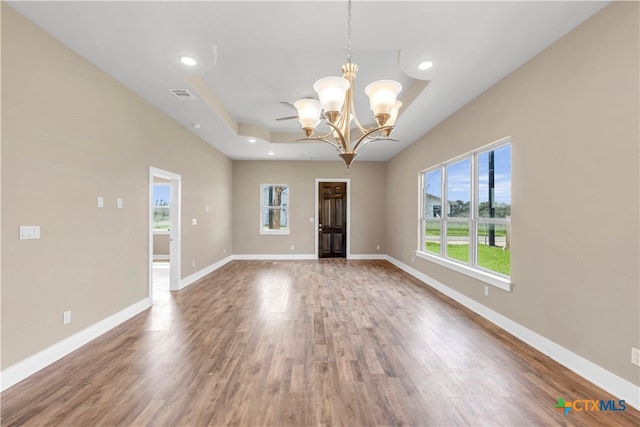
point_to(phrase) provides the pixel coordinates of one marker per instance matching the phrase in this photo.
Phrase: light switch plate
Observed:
(28, 232)
(635, 356)
(100, 202)
(119, 203)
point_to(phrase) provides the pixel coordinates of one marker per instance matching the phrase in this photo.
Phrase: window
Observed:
(161, 206)
(466, 214)
(274, 214)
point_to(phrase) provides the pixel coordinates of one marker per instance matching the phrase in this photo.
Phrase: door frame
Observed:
(317, 224)
(175, 183)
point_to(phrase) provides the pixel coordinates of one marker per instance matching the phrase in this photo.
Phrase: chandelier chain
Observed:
(349, 32)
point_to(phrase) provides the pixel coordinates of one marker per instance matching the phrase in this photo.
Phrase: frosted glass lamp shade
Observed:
(394, 114)
(331, 91)
(308, 112)
(382, 95)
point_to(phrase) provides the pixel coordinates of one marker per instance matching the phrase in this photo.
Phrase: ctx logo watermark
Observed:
(590, 405)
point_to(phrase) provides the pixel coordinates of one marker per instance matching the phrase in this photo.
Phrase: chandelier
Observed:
(335, 108)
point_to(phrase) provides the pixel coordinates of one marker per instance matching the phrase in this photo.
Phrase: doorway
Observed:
(332, 220)
(164, 226)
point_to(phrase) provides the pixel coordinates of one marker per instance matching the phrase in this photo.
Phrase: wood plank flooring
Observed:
(301, 343)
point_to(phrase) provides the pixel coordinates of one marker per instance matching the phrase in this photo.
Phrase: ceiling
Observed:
(254, 55)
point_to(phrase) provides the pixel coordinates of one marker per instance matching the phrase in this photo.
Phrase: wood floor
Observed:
(301, 343)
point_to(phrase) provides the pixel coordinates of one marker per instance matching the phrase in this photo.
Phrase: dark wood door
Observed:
(332, 220)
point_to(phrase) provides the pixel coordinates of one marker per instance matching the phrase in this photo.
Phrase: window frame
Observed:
(470, 268)
(264, 207)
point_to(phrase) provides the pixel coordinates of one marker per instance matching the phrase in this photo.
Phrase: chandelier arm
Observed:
(324, 137)
(369, 132)
(368, 140)
(342, 141)
(356, 120)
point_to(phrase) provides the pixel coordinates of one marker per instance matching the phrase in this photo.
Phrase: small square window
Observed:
(274, 212)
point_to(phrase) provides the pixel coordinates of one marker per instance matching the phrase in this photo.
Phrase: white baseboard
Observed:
(280, 257)
(201, 273)
(368, 256)
(593, 373)
(287, 257)
(32, 364)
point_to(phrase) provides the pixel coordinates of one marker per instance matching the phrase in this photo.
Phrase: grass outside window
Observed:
(489, 257)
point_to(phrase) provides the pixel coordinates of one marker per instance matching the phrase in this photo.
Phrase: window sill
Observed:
(503, 283)
(267, 232)
(156, 231)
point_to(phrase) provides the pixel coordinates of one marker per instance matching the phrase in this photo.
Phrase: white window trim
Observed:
(261, 230)
(475, 272)
(472, 269)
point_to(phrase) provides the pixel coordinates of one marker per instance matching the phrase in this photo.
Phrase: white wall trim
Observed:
(175, 212)
(368, 256)
(158, 257)
(288, 257)
(201, 273)
(593, 373)
(32, 364)
(281, 257)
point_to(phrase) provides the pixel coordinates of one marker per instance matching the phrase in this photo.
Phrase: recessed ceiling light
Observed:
(271, 153)
(252, 140)
(425, 65)
(187, 60)
(195, 125)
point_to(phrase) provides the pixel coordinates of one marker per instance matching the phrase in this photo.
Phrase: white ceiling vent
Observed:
(182, 94)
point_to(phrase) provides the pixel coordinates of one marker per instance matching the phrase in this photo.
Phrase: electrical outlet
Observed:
(378, 247)
(193, 263)
(66, 317)
(635, 356)
(292, 247)
(486, 291)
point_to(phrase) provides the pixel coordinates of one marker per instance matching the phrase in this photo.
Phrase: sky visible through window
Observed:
(161, 193)
(501, 173)
(459, 173)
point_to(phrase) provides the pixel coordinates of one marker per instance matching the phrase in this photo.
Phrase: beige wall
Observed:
(70, 134)
(573, 115)
(367, 205)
